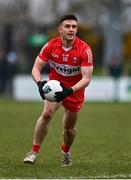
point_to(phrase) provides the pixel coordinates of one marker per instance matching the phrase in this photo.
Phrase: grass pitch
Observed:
(102, 148)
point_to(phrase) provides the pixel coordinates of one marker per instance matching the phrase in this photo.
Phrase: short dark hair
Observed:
(67, 17)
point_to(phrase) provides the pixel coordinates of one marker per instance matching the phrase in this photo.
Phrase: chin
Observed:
(70, 39)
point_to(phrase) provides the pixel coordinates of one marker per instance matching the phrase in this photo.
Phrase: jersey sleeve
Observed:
(45, 52)
(87, 57)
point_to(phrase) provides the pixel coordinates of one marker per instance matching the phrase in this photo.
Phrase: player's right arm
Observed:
(36, 74)
(36, 70)
(40, 61)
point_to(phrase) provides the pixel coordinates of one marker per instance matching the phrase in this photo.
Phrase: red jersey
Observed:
(65, 63)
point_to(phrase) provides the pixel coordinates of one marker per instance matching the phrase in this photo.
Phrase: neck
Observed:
(67, 44)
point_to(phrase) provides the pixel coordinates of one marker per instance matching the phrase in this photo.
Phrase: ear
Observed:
(77, 29)
(59, 29)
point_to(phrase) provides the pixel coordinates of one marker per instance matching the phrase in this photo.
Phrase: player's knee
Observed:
(70, 131)
(47, 115)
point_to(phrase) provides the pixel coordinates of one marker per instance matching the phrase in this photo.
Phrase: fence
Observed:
(100, 89)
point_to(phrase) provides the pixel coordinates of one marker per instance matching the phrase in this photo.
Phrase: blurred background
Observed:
(25, 26)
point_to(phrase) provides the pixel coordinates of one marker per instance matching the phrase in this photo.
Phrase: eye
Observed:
(67, 26)
(73, 26)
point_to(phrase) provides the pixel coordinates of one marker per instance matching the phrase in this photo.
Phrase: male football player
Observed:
(71, 63)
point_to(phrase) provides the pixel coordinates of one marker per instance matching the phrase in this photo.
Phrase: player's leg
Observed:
(41, 129)
(69, 121)
(69, 133)
(43, 121)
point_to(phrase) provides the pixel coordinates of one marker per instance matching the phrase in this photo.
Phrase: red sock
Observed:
(65, 148)
(35, 148)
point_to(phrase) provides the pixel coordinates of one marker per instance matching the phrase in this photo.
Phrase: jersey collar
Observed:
(75, 45)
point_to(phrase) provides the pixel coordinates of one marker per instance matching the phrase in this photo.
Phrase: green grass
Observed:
(102, 148)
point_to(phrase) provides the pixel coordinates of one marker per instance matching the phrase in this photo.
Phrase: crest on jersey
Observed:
(65, 57)
(75, 59)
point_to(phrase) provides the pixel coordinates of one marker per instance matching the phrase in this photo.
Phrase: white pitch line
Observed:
(115, 176)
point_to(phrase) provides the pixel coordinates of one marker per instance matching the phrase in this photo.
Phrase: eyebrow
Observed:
(70, 24)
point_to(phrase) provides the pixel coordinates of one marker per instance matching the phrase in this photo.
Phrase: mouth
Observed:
(70, 35)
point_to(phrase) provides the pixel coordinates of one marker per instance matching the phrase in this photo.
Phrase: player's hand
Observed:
(59, 96)
(40, 87)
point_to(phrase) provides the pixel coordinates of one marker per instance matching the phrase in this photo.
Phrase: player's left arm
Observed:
(86, 72)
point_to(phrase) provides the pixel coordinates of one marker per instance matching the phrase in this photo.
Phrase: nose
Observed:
(71, 28)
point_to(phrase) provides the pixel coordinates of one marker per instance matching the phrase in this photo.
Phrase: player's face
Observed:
(68, 30)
